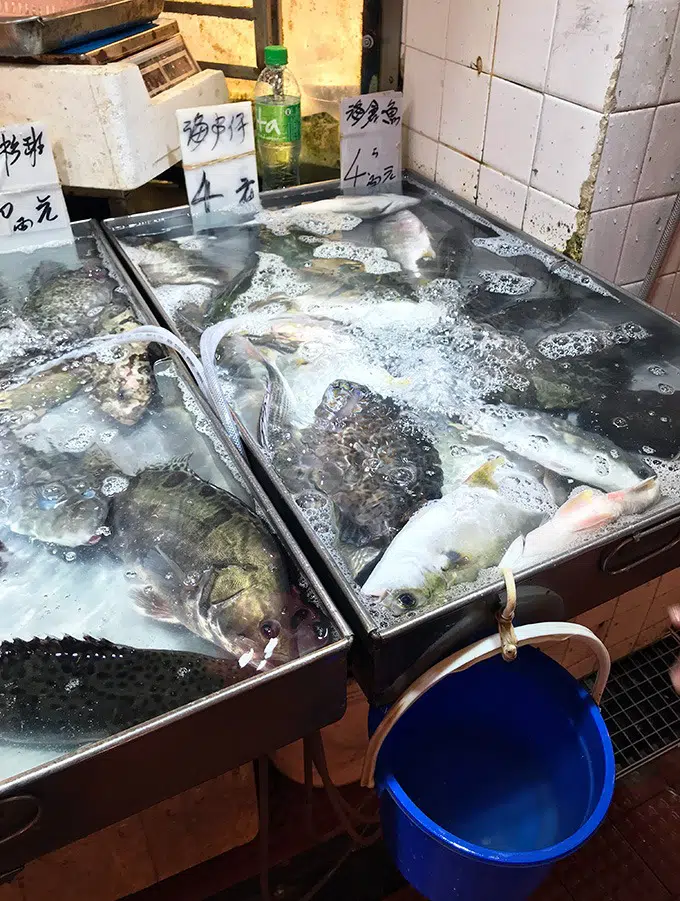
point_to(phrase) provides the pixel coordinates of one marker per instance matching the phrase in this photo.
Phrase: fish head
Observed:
(341, 399)
(69, 512)
(251, 602)
(436, 585)
(123, 390)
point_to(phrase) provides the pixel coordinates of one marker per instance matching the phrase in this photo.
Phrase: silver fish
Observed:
(405, 239)
(558, 445)
(447, 542)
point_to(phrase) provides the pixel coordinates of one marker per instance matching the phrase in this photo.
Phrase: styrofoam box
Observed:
(106, 132)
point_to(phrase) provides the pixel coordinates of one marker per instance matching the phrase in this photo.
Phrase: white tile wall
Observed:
(423, 89)
(457, 173)
(567, 138)
(471, 32)
(426, 23)
(604, 241)
(622, 158)
(670, 90)
(646, 52)
(502, 195)
(647, 221)
(524, 24)
(420, 153)
(661, 169)
(587, 37)
(466, 94)
(549, 219)
(511, 128)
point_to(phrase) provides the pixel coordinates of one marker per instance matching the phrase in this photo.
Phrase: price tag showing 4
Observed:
(370, 143)
(32, 207)
(220, 169)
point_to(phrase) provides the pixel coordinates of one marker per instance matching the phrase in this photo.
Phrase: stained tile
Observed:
(670, 90)
(420, 153)
(608, 869)
(668, 765)
(634, 288)
(673, 305)
(623, 155)
(586, 41)
(105, 866)
(658, 610)
(643, 594)
(597, 618)
(548, 219)
(583, 668)
(551, 890)
(637, 788)
(457, 172)
(203, 822)
(654, 829)
(423, 88)
(650, 634)
(626, 624)
(502, 195)
(661, 169)
(465, 99)
(567, 138)
(604, 241)
(661, 292)
(672, 260)
(645, 54)
(670, 581)
(426, 24)
(621, 648)
(522, 24)
(511, 128)
(471, 32)
(645, 226)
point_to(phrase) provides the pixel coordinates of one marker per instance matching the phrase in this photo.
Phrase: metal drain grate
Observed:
(640, 707)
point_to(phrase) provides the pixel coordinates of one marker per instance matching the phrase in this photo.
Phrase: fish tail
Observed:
(638, 498)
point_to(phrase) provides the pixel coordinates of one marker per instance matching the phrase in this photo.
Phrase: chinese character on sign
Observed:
(6, 210)
(203, 194)
(197, 131)
(218, 128)
(44, 208)
(34, 146)
(237, 124)
(371, 113)
(9, 149)
(390, 114)
(23, 224)
(355, 112)
(245, 190)
(388, 174)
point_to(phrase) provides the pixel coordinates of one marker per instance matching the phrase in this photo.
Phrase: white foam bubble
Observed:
(502, 281)
(584, 342)
(374, 259)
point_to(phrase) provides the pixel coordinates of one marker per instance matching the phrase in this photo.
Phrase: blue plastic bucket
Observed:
(491, 776)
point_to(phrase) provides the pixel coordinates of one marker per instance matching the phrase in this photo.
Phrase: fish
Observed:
(208, 563)
(362, 451)
(166, 262)
(66, 692)
(369, 206)
(405, 239)
(55, 499)
(332, 266)
(556, 444)
(41, 391)
(584, 512)
(447, 542)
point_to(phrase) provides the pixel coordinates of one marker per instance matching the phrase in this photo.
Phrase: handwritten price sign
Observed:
(218, 156)
(370, 143)
(32, 207)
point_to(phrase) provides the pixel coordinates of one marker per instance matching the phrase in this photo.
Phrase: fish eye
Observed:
(406, 600)
(270, 628)
(53, 493)
(298, 618)
(320, 631)
(88, 493)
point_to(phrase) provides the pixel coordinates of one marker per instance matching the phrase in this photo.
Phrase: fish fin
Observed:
(176, 464)
(277, 406)
(513, 555)
(152, 604)
(589, 517)
(362, 561)
(483, 476)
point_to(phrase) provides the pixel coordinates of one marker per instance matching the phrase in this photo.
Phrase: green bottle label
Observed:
(277, 122)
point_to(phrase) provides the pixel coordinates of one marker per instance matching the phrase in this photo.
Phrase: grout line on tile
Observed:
(618, 262)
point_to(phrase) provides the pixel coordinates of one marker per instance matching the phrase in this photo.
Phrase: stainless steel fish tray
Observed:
(388, 654)
(34, 35)
(104, 782)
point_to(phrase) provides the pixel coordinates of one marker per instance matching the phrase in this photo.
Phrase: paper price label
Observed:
(32, 207)
(370, 143)
(220, 169)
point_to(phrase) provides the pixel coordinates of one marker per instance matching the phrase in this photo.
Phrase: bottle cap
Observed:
(275, 55)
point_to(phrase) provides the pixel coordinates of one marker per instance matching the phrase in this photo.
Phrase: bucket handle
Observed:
(534, 633)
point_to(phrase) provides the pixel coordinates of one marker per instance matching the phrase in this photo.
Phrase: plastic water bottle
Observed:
(277, 121)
